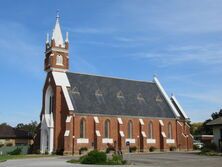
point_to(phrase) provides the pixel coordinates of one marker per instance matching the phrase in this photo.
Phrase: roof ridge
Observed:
(111, 77)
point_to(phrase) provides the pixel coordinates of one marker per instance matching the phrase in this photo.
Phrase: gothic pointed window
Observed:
(140, 98)
(82, 128)
(150, 130)
(75, 91)
(107, 129)
(170, 131)
(59, 60)
(130, 129)
(99, 96)
(121, 98)
(158, 98)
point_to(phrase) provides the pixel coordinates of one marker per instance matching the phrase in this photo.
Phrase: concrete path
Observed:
(146, 159)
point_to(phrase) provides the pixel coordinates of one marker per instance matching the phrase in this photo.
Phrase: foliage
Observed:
(1, 145)
(30, 127)
(209, 147)
(132, 149)
(202, 128)
(116, 160)
(73, 161)
(216, 115)
(94, 157)
(152, 148)
(4, 124)
(16, 151)
(99, 158)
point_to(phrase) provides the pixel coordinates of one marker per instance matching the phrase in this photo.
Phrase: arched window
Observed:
(83, 128)
(49, 100)
(130, 129)
(150, 130)
(107, 129)
(59, 60)
(170, 131)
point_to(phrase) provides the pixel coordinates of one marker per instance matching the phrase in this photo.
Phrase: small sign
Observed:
(127, 143)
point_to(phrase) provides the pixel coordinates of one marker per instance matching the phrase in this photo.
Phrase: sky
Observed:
(178, 41)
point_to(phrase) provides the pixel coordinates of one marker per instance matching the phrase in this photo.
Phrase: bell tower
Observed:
(56, 50)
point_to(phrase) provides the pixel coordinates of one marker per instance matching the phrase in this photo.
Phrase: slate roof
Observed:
(8, 132)
(217, 121)
(92, 94)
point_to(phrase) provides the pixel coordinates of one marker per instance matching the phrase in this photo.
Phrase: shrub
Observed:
(116, 160)
(94, 157)
(16, 151)
(210, 147)
(152, 148)
(1, 145)
(172, 148)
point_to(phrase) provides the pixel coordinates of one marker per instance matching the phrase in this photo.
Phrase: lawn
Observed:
(7, 157)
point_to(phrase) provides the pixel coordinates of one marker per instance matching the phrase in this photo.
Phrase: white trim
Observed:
(82, 140)
(56, 70)
(191, 135)
(98, 133)
(151, 141)
(143, 134)
(166, 97)
(67, 133)
(67, 97)
(61, 79)
(121, 133)
(96, 119)
(130, 141)
(120, 121)
(187, 125)
(163, 134)
(170, 141)
(179, 106)
(184, 135)
(161, 122)
(141, 121)
(179, 123)
(68, 119)
(107, 140)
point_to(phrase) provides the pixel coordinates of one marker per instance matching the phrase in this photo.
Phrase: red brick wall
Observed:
(91, 126)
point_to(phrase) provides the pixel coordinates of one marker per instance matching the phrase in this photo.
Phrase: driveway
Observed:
(174, 159)
(150, 160)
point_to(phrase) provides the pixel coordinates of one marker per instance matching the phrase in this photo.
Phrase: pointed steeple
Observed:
(57, 34)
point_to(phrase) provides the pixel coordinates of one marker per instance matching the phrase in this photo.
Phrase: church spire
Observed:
(57, 34)
(57, 51)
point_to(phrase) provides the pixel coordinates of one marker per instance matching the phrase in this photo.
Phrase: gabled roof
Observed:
(179, 107)
(217, 121)
(7, 131)
(92, 94)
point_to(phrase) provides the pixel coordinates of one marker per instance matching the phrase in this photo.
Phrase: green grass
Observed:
(8, 157)
(74, 161)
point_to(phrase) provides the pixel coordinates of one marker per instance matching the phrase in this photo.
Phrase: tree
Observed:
(4, 124)
(216, 115)
(30, 127)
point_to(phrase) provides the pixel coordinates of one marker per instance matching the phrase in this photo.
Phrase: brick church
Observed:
(83, 110)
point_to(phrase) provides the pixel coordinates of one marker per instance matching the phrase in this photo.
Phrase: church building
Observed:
(99, 112)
